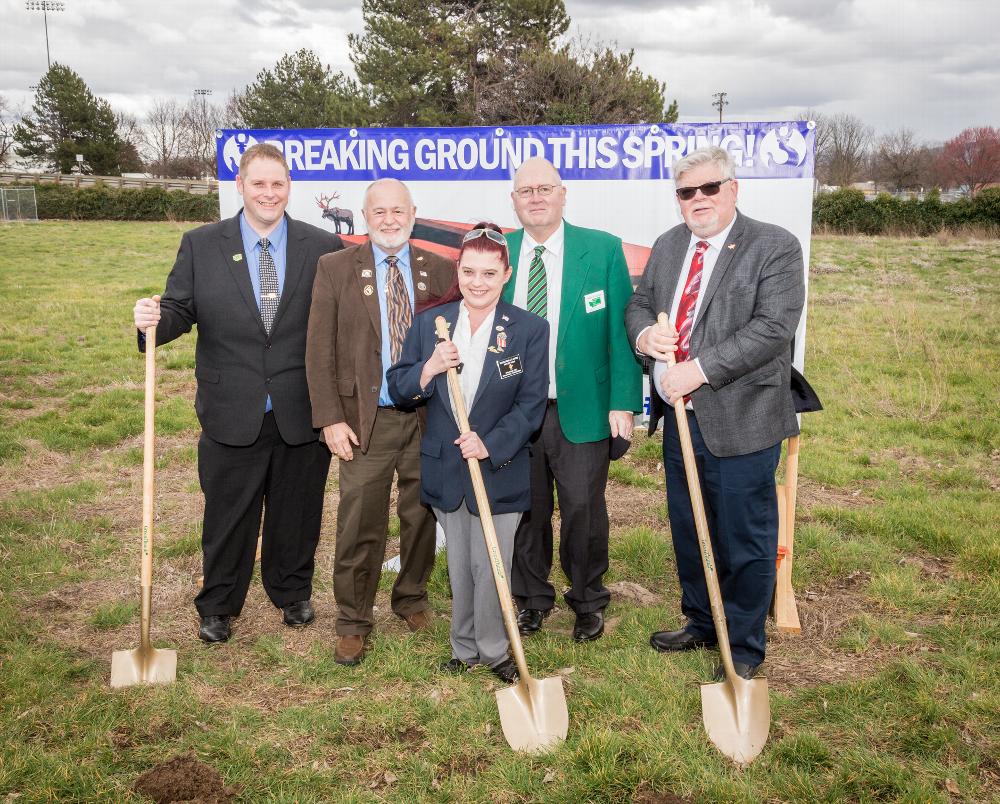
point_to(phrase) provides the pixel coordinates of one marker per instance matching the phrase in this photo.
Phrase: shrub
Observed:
(57, 201)
(847, 212)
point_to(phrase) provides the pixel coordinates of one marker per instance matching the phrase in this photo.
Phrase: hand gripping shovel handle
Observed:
(701, 524)
(486, 518)
(148, 466)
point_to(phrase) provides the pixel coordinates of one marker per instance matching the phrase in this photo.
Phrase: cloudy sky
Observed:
(927, 65)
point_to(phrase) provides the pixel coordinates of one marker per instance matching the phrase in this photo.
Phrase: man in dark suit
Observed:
(362, 305)
(734, 289)
(577, 280)
(246, 282)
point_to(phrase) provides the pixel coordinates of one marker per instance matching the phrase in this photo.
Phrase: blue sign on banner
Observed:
(782, 150)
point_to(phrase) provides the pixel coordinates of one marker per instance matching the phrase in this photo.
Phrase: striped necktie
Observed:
(689, 301)
(538, 302)
(398, 310)
(269, 297)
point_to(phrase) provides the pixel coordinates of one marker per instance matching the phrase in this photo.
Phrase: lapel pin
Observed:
(504, 318)
(366, 273)
(420, 259)
(237, 257)
(369, 290)
(423, 273)
(499, 328)
(731, 246)
(501, 341)
(421, 286)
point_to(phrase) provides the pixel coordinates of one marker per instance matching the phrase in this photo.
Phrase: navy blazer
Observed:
(506, 410)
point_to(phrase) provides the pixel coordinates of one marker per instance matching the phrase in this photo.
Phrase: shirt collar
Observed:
(403, 255)
(276, 239)
(716, 241)
(553, 244)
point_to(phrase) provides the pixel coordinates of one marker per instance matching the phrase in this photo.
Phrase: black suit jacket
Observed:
(237, 364)
(506, 410)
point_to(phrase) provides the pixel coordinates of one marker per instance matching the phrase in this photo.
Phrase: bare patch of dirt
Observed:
(184, 779)
(635, 593)
(809, 494)
(646, 796)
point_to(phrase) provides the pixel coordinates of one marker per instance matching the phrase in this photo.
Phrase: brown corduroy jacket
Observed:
(344, 343)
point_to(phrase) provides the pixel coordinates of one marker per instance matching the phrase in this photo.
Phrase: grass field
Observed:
(891, 693)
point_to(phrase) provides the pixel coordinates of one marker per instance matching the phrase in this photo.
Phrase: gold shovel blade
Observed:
(737, 715)
(153, 666)
(533, 714)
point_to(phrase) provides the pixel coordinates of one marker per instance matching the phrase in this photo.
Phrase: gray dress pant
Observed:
(477, 632)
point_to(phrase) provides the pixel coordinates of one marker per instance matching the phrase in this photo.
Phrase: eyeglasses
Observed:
(709, 188)
(541, 189)
(492, 234)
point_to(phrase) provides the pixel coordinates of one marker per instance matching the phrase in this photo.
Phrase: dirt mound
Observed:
(184, 779)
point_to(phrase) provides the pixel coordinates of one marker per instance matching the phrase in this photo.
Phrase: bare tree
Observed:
(899, 161)
(9, 118)
(164, 136)
(842, 145)
(202, 120)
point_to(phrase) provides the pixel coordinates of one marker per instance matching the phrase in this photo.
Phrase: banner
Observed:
(618, 178)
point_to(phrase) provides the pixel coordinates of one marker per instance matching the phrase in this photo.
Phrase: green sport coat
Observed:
(596, 367)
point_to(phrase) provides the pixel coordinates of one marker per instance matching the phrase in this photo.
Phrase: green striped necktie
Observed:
(538, 296)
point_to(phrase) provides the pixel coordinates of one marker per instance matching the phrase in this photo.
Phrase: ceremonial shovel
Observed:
(146, 664)
(533, 712)
(736, 712)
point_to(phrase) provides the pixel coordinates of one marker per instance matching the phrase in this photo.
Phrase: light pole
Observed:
(719, 102)
(45, 6)
(204, 104)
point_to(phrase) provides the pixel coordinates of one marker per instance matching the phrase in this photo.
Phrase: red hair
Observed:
(482, 245)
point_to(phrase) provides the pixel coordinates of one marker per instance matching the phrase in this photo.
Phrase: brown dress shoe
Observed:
(350, 649)
(419, 621)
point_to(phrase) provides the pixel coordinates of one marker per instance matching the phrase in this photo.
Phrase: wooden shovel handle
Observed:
(486, 518)
(701, 522)
(148, 462)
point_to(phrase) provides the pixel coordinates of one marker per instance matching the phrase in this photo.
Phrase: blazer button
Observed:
(374, 389)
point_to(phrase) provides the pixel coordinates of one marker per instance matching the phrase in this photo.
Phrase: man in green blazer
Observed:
(578, 280)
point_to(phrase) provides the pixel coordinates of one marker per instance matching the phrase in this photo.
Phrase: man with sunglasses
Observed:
(734, 289)
(578, 280)
(362, 304)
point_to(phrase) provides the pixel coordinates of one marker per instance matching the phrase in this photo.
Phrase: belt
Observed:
(394, 407)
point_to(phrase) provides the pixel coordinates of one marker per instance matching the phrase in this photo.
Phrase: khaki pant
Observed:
(363, 524)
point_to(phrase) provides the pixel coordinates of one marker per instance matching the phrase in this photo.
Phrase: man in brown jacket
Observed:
(362, 305)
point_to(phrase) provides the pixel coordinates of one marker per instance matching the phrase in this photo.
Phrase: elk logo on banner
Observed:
(338, 215)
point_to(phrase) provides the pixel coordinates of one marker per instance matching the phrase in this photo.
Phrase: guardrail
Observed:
(196, 186)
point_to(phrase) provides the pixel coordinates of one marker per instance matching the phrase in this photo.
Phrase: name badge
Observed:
(594, 301)
(510, 367)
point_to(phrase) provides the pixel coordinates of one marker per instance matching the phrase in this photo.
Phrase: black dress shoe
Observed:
(746, 671)
(670, 641)
(298, 613)
(588, 627)
(453, 666)
(506, 671)
(530, 620)
(214, 628)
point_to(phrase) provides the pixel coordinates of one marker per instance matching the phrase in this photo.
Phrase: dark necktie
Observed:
(689, 300)
(268, 286)
(397, 302)
(538, 295)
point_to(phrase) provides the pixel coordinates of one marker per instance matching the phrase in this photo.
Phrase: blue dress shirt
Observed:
(276, 246)
(382, 279)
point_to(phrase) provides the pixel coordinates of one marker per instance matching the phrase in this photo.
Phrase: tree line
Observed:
(848, 151)
(492, 62)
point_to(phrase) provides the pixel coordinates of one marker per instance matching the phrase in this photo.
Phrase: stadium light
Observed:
(45, 6)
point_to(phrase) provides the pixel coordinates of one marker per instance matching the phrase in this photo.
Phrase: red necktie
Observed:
(689, 300)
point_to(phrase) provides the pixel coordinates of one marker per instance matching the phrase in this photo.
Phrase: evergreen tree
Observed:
(302, 93)
(68, 119)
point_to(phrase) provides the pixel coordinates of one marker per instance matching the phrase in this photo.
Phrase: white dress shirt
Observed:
(715, 245)
(472, 352)
(553, 259)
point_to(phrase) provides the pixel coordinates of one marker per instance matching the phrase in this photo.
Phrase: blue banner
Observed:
(780, 150)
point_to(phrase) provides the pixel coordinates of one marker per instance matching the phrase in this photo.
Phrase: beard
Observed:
(390, 241)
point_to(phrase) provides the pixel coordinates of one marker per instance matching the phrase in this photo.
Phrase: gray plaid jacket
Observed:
(742, 336)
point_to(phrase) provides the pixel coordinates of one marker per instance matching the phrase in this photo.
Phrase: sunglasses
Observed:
(709, 188)
(495, 236)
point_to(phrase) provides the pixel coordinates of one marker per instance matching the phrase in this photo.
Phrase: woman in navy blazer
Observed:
(503, 354)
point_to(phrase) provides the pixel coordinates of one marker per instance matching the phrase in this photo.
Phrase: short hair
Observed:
(386, 180)
(702, 156)
(263, 150)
